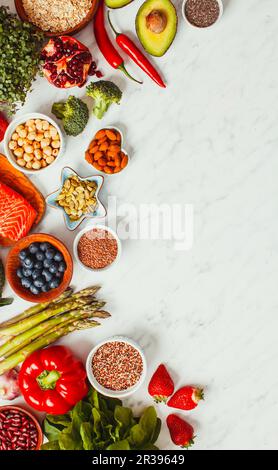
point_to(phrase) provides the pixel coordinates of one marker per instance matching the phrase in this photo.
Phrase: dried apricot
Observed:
(117, 169)
(102, 161)
(103, 147)
(100, 134)
(97, 167)
(124, 161)
(98, 155)
(107, 169)
(111, 134)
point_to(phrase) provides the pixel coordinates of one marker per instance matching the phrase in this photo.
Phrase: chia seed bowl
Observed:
(132, 368)
(203, 19)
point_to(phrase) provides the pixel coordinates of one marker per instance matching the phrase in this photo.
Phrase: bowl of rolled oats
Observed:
(56, 17)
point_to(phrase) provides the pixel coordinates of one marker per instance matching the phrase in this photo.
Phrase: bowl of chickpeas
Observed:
(33, 142)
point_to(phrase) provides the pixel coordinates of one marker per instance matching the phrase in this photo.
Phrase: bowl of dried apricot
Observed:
(105, 152)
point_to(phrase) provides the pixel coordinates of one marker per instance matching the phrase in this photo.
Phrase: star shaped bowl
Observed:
(99, 212)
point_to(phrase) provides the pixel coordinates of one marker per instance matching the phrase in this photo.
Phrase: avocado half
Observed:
(156, 43)
(117, 3)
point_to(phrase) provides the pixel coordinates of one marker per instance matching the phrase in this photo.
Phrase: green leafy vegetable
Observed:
(20, 46)
(74, 114)
(104, 93)
(101, 423)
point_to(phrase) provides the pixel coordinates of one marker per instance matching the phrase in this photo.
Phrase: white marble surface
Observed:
(209, 139)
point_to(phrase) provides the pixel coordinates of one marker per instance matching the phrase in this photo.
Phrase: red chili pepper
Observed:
(52, 380)
(105, 45)
(3, 126)
(136, 55)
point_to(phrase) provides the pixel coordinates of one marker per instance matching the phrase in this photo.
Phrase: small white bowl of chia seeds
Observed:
(202, 14)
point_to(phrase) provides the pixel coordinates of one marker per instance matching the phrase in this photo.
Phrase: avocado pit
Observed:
(156, 21)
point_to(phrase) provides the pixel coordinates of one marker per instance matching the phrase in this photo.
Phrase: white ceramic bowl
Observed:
(11, 129)
(106, 391)
(87, 229)
(122, 147)
(221, 10)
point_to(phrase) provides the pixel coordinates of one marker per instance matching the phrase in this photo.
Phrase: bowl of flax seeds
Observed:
(202, 13)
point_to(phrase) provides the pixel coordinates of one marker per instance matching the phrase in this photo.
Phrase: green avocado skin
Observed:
(165, 4)
(117, 3)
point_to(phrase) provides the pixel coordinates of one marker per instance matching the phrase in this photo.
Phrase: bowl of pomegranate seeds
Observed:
(116, 367)
(97, 248)
(19, 429)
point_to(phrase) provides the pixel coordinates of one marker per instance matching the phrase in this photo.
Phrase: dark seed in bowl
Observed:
(202, 13)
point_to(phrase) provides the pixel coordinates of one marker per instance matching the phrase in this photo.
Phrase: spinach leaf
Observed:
(50, 431)
(86, 433)
(52, 445)
(120, 445)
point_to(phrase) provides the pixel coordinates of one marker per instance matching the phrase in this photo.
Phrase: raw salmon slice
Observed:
(16, 214)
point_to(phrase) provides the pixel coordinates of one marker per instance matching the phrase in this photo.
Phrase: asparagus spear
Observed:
(40, 307)
(36, 309)
(18, 342)
(34, 320)
(50, 337)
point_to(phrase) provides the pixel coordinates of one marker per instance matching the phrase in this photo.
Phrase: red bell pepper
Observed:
(51, 380)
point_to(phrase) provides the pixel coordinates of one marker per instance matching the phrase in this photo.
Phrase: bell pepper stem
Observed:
(47, 379)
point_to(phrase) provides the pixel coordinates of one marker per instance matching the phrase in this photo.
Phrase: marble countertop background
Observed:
(210, 139)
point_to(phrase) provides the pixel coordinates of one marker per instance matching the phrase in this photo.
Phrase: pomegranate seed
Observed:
(99, 74)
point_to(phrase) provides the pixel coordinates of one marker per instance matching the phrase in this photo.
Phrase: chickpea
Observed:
(18, 152)
(45, 143)
(47, 151)
(56, 144)
(20, 142)
(31, 136)
(22, 133)
(21, 162)
(12, 144)
(47, 134)
(30, 122)
(39, 137)
(19, 128)
(29, 165)
(55, 152)
(32, 128)
(38, 122)
(45, 125)
(15, 136)
(43, 163)
(56, 137)
(50, 160)
(36, 145)
(36, 165)
(38, 154)
(53, 131)
(28, 157)
(28, 148)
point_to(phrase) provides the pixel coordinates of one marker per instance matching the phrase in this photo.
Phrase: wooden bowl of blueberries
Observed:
(39, 268)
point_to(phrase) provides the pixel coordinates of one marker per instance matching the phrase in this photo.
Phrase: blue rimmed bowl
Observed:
(98, 213)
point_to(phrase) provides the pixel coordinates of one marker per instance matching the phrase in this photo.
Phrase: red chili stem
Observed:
(105, 45)
(127, 45)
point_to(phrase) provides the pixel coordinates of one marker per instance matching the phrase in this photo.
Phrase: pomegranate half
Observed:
(67, 62)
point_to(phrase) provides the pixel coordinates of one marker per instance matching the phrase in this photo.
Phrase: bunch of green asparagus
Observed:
(44, 323)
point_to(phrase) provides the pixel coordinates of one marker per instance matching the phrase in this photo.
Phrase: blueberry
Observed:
(28, 262)
(47, 275)
(27, 272)
(26, 282)
(33, 248)
(45, 288)
(62, 267)
(19, 273)
(39, 282)
(22, 254)
(36, 273)
(35, 290)
(58, 256)
(54, 283)
(50, 253)
(53, 268)
(47, 263)
(38, 265)
(59, 275)
(44, 246)
(40, 255)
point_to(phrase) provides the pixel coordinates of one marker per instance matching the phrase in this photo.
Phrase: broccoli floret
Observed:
(104, 93)
(74, 114)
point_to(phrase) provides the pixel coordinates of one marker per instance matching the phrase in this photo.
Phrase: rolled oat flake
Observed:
(202, 13)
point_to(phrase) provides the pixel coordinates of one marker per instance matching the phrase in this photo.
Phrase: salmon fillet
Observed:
(16, 214)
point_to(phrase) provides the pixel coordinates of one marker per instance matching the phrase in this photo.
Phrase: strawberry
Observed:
(161, 385)
(182, 433)
(186, 398)
(3, 126)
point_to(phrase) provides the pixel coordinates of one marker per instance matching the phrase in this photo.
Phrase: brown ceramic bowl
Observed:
(35, 421)
(22, 15)
(13, 263)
